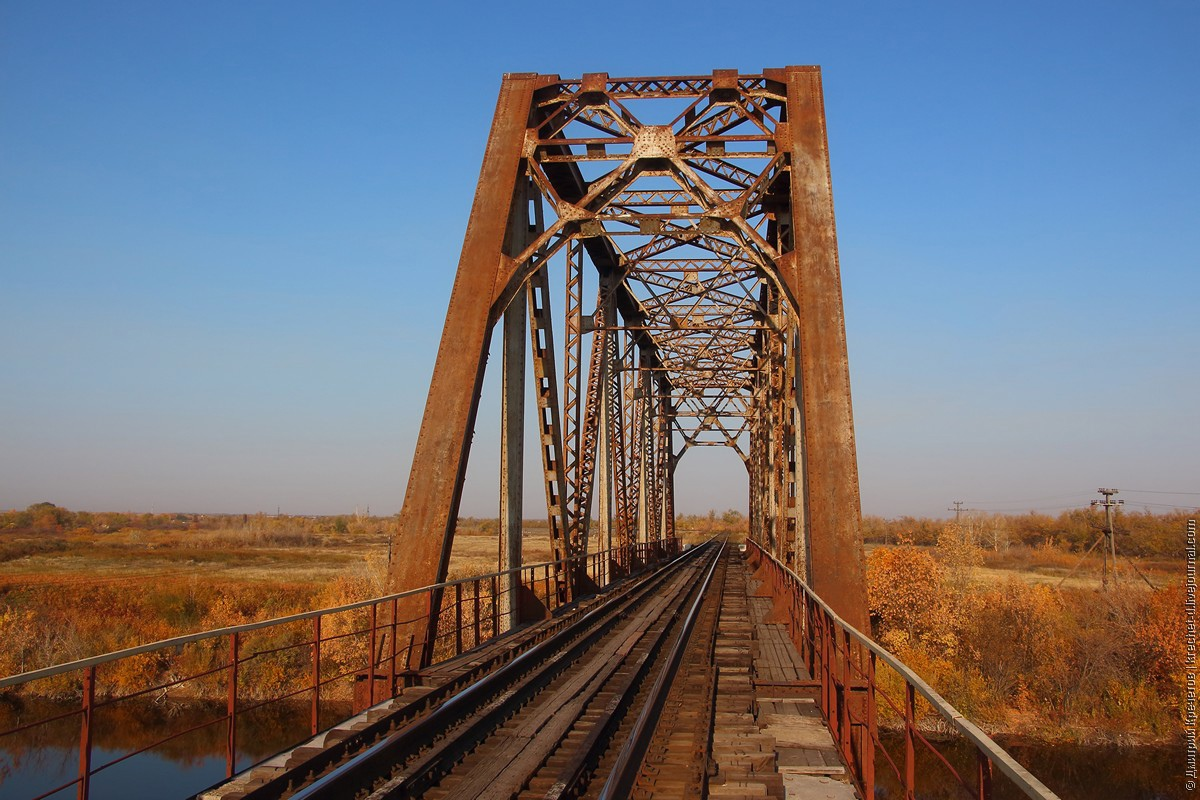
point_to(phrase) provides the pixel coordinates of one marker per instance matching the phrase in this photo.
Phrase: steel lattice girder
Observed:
(704, 206)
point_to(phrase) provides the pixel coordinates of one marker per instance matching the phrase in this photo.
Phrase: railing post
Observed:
(458, 622)
(478, 628)
(910, 745)
(827, 690)
(846, 697)
(85, 734)
(231, 707)
(395, 654)
(827, 669)
(372, 654)
(872, 729)
(316, 676)
(495, 607)
(810, 644)
(985, 775)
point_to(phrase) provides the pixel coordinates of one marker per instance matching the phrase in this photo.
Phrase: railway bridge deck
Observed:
(734, 716)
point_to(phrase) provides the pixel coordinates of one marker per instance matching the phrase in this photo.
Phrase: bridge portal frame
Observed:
(803, 475)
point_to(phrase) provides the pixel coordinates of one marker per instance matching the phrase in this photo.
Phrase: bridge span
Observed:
(712, 672)
(689, 223)
(675, 684)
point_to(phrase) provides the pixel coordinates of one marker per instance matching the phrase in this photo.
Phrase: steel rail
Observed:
(615, 675)
(333, 755)
(569, 777)
(1020, 776)
(629, 759)
(549, 652)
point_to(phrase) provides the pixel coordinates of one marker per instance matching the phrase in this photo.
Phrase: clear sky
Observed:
(228, 232)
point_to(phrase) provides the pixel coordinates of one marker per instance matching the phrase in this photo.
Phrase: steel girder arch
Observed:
(703, 205)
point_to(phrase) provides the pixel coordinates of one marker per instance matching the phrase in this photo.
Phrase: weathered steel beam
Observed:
(550, 430)
(425, 531)
(811, 275)
(512, 459)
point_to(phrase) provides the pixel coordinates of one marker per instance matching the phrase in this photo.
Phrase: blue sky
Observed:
(228, 233)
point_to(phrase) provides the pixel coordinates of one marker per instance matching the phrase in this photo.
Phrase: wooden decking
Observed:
(768, 739)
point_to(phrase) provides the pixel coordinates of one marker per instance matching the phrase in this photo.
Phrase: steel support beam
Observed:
(512, 458)
(425, 531)
(812, 277)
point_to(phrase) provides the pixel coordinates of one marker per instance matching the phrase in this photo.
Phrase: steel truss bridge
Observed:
(678, 234)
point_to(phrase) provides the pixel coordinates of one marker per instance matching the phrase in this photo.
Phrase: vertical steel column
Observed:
(512, 459)
(512, 434)
(545, 374)
(662, 455)
(761, 529)
(619, 461)
(666, 455)
(582, 477)
(630, 461)
(425, 532)
(812, 278)
(779, 455)
(797, 529)
(910, 742)
(643, 401)
(315, 707)
(573, 395)
(871, 732)
(604, 338)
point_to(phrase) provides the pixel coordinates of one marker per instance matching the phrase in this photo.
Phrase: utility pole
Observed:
(1109, 504)
(958, 509)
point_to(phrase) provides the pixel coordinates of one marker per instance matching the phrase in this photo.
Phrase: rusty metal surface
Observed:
(698, 212)
(812, 274)
(421, 543)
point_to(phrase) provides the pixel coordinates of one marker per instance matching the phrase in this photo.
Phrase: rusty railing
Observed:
(853, 676)
(337, 661)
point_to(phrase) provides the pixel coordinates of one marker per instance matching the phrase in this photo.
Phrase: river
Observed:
(36, 761)
(1073, 771)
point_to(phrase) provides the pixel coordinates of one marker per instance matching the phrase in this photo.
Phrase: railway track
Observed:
(595, 710)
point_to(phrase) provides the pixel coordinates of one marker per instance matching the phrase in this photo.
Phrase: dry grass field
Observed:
(69, 594)
(232, 556)
(1055, 568)
(75, 584)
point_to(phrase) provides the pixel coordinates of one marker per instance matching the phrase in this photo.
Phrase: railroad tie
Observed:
(743, 756)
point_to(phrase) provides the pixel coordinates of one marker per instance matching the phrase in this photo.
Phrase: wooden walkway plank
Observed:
(804, 754)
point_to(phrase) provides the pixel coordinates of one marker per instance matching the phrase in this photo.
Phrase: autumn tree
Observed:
(906, 591)
(959, 553)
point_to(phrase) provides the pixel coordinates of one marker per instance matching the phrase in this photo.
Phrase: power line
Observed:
(1168, 505)
(1018, 502)
(1159, 491)
(1026, 508)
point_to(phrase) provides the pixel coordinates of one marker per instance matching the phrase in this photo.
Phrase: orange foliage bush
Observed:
(1020, 655)
(906, 592)
(1016, 635)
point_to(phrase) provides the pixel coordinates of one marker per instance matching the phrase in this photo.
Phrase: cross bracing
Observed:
(692, 221)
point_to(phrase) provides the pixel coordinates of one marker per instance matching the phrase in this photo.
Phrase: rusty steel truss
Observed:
(690, 220)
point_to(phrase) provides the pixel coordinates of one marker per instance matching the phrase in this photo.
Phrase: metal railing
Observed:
(332, 659)
(846, 666)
